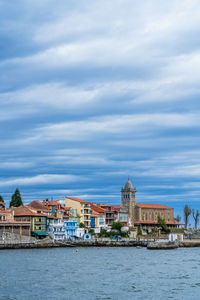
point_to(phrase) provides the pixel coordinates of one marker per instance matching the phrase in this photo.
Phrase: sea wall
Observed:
(110, 243)
(80, 243)
(91, 243)
(190, 243)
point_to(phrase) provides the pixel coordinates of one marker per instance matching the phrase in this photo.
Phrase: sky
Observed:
(92, 92)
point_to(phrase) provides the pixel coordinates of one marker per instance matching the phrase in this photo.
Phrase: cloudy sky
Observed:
(92, 92)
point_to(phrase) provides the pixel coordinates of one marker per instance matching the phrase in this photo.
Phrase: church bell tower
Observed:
(128, 198)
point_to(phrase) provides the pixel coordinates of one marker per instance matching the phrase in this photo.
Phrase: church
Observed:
(145, 214)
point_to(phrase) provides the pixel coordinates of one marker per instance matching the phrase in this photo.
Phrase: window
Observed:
(3, 218)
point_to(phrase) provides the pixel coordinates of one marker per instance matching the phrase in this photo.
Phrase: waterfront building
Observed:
(110, 214)
(70, 228)
(121, 214)
(8, 224)
(82, 207)
(50, 208)
(38, 220)
(72, 214)
(98, 217)
(80, 232)
(54, 206)
(51, 220)
(115, 213)
(56, 228)
(145, 214)
(57, 232)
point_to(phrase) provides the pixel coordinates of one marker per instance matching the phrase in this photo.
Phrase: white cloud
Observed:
(113, 125)
(15, 165)
(40, 179)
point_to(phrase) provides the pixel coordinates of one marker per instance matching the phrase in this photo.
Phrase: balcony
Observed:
(40, 222)
(110, 217)
(71, 227)
(86, 223)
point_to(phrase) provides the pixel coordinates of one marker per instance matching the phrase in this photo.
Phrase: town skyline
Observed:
(180, 215)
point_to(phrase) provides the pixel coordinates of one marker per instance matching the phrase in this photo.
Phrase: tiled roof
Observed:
(52, 217)
(97, 209)
(50, 203)
(61, 208)
(78, 200)
(38, 205)
(148, 205)
(5, 211)
(26, 211)
(95, 213)
(111, 207)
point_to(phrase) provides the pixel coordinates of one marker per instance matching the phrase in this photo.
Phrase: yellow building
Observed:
(82, 207)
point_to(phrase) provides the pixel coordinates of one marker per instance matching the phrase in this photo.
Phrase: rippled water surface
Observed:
(105, 273)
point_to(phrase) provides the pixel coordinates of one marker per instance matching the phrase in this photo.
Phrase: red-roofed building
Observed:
(115, 213)
(8, 224)
(29, 214)
(145, 214)
(98, 217)
(40, 207)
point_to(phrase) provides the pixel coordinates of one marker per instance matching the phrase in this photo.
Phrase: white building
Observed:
(56, 230)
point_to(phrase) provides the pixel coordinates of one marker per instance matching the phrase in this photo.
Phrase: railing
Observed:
(71, 227)
(40, 222)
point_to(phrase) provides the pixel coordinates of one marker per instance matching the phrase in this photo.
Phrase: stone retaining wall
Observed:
(13, 238)
(80, 243)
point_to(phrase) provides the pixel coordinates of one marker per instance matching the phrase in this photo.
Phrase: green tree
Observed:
(117, 226)
(1, 199)
(16, 199)
(81, 225)
(162, 224)
(103, 233)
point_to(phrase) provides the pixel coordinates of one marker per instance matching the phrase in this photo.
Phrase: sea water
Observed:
(100, 273)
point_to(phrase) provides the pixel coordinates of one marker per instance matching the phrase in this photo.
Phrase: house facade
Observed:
(8, 224)
(70, 228)
(82, 207)
(56, 231)
(38, 220)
